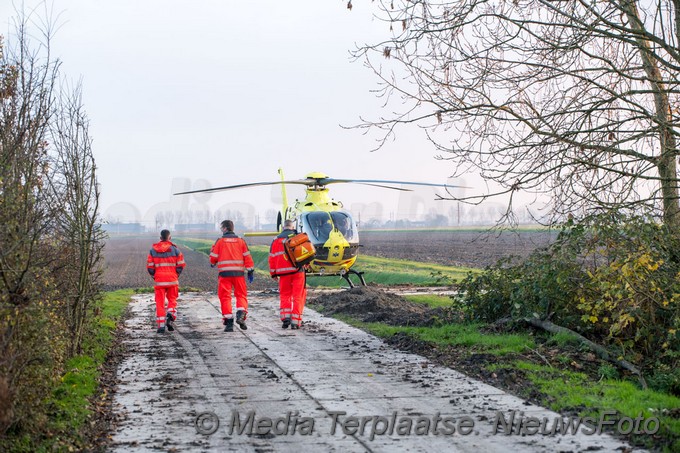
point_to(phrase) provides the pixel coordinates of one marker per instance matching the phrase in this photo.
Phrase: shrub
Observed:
(613, 278)
(543, 285)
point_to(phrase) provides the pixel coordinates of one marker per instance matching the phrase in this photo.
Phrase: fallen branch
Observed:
(538, 354)
(503, 321)
(596, 348)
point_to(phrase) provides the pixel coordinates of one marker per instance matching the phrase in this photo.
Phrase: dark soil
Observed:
(369, 304)
(125, 256)
(453, 248)
(448, 247)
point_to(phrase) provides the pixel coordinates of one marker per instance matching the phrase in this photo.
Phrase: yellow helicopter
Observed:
(331, 229)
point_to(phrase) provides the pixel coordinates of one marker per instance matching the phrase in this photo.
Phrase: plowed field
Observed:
(125, 256)
(452, 248)
(125, 266)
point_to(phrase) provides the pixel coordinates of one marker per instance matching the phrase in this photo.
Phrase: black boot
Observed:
(286, 323)
(241, 319)
(161, 330)
(229, 325)
(170, 322)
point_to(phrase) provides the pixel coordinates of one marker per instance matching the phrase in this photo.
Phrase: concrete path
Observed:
(327, 387)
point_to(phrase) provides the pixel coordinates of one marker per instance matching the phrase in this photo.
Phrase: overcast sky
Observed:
(186, 94)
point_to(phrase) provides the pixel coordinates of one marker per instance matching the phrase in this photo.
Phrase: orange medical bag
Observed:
(299, 249)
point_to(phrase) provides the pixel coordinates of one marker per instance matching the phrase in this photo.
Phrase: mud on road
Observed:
(326, 387)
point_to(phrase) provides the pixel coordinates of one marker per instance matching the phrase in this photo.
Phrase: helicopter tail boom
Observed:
(261, 233)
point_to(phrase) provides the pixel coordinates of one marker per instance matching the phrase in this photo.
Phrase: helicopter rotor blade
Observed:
(310, 182)
(382, 182)
(239, 186)
(384, 187)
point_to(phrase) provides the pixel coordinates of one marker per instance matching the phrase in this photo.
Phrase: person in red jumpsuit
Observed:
(231, 256)
(165, 263)
(292, 283)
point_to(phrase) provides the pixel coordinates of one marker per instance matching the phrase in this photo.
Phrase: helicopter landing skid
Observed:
(358, 274)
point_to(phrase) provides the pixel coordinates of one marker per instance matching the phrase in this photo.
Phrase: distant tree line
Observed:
(458, 214)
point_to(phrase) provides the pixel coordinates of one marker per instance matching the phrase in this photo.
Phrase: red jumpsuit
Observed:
(165, 262)
(232, 257)
(292, 283)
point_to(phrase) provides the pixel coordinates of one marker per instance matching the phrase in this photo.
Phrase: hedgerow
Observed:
(612, 278)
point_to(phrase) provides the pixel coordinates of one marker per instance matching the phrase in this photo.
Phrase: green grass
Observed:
(388, 271)
(576, 392)
(563, 339)
(199, 245)
(376, 270)
(71, 397)
(467, 335)
(431, 300)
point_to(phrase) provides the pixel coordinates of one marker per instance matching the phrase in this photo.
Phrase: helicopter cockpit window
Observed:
(317, 225)
(345, 224)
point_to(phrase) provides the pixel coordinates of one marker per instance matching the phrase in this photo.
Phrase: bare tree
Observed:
(77, 224)
(574, 98)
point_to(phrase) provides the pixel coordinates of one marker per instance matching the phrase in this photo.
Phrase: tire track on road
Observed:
(284, 372)
(327, 369)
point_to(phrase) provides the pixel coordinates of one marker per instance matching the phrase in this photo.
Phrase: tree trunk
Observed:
(666, 162)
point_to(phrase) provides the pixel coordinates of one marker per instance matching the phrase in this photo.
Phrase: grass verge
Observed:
(462, 335)
(71, 398)
(577, 393)
(71, 401)
(431, 300)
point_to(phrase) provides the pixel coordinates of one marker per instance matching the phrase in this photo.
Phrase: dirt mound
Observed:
(369, 304)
